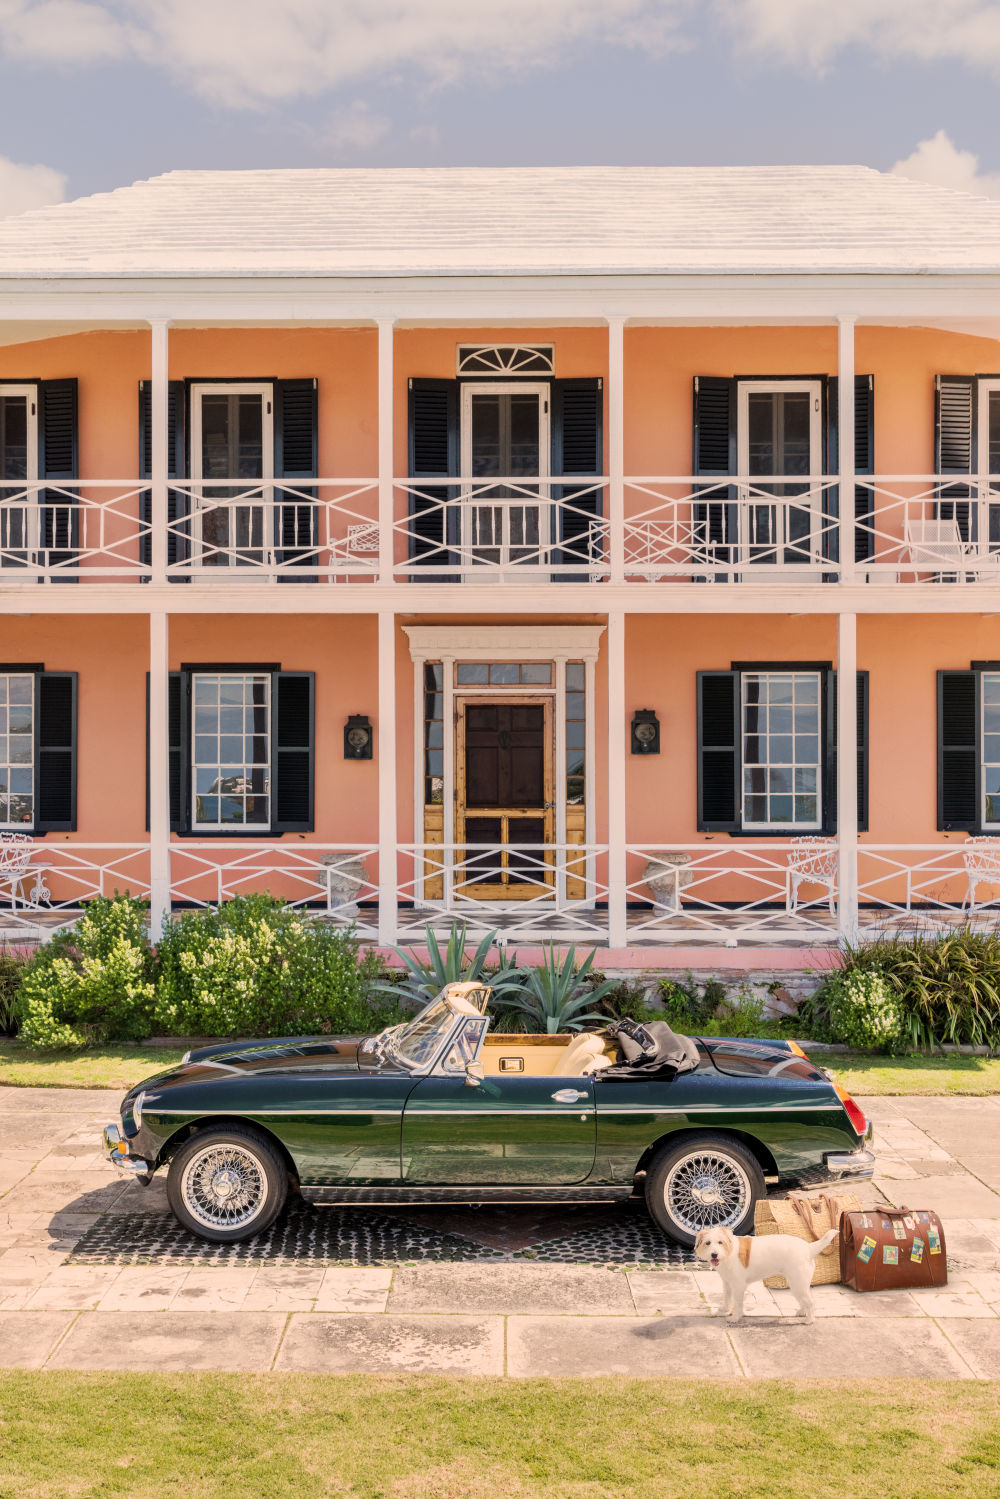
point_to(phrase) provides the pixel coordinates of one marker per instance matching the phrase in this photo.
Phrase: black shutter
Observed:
(716, 521)
(295, 457)
(292, 751)
(178, 711)
(433, 451)
(718, 751)
(958, 750)
(55, 752)
(830, 756)
(955, 434)
(577, 442)
(58, 461)
(864, 462)
(177, 503)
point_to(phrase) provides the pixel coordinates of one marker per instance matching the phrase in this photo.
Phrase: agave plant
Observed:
(551, 997)
(449, 965)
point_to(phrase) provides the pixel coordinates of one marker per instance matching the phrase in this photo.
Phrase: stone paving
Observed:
(95, 1275)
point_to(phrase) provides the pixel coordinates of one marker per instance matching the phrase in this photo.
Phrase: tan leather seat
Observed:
(579, 1054)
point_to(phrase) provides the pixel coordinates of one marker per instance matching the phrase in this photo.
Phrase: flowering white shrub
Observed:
(865, 1011)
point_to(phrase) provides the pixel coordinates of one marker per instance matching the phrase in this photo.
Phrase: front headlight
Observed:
(137, 1108)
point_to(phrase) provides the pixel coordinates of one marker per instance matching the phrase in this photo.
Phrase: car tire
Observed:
(701, 1181)
(226, 1185)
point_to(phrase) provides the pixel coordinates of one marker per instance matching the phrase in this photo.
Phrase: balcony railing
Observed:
(907, 528)
(732, 894)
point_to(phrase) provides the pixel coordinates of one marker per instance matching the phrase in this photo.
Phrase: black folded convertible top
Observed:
(653, 1047)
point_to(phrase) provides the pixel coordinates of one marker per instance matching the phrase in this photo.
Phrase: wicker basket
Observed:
(808, 1217)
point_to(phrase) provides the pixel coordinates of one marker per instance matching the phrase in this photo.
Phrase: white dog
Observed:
(742, 1261)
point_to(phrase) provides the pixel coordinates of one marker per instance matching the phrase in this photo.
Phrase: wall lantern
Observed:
(645, 732)
(357, 738)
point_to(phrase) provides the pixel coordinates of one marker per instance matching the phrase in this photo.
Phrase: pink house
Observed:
(607, 554)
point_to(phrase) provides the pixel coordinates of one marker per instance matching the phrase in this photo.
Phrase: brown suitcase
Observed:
(892, 1249)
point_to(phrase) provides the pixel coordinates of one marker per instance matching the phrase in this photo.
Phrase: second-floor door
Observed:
(19, 511)
(779, 429)
(505, 438)
(232, 453)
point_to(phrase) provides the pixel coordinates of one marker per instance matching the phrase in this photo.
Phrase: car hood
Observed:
(280, 1058)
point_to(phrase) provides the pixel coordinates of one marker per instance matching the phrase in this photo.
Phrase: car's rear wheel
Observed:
(703, 1181)
(227, 1184)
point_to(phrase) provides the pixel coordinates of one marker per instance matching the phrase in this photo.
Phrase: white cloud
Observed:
(23, 187)
(804, 31)
(940, 161)
(241, 52)
(356, 128)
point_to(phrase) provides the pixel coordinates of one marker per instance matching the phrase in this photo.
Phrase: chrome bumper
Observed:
(857, 1164)
(118, 1153)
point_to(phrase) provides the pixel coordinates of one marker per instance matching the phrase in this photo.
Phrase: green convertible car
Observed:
(439, 1110)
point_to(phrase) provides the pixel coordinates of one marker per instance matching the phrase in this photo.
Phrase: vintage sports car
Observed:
(439, 1110)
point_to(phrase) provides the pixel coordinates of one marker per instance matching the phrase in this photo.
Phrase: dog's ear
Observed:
(699, 1238)
(730, 1240)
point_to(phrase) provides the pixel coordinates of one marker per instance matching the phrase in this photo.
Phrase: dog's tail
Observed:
(817, 1249)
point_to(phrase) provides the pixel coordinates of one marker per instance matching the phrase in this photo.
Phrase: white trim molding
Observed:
(498, 642)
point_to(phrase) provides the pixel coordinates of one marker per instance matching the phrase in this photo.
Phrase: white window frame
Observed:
(505, 570)
(465, 352)
(264, 389)
(987, 488)
(746, 482)
(993, 826)
(30, 505)
(790, 827)
(237, 828)
(21, 827)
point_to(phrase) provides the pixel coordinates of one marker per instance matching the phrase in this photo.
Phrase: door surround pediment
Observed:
(455, 642)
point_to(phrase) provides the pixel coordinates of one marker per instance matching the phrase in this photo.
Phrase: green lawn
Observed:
(861, 1073)
(131, 1436)
(116, 1067)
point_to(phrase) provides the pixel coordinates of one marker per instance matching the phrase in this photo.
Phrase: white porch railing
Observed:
(525, 890)
(907, 528)
(726, 893)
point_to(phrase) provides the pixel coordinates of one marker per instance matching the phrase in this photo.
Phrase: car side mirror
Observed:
(475, 1073)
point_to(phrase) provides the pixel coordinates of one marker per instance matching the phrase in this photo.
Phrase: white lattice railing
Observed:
(525, 890)
(60, 878)
(928, 528)
(335, 880)
(724, 529)
(94, 528)
(502, 529)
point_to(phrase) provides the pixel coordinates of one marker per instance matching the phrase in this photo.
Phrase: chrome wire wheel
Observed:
(705, 1189)
(224, 1186)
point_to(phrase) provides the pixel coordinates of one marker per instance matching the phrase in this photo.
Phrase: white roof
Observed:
(510, 221)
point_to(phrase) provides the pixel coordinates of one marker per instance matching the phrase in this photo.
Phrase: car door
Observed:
(510, 1130)
(343, 1129)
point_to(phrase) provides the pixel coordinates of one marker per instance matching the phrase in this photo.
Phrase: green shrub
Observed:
(252, 968)
(92, 984)
(744, 1015)
(554, 997)
(865, 1011)
(12, 965)
(421, 980)
(687, 1010)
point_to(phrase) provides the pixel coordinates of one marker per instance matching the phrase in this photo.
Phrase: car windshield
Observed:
(418, 1043)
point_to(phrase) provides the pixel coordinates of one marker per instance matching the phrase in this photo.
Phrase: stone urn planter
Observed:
(666, 876)
(342, 876)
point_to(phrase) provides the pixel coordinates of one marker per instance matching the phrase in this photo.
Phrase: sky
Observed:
(95, 94)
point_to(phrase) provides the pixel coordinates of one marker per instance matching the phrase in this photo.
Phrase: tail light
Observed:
(854, 1114)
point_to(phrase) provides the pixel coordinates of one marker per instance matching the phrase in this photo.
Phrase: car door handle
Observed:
(569, 1095)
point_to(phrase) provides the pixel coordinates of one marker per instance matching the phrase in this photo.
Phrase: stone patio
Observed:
(94, 1274)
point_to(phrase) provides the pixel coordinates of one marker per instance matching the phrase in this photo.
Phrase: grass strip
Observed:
(116, 1067)
(205, 1436)
(952, 1073)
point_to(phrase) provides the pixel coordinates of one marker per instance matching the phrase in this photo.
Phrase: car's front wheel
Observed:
(702, 1181)
(227, 1184)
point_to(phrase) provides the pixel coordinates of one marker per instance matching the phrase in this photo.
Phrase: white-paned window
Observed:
(779, 437)
(781, 749)
(18, 469)
(990, 750)
(232, 454)
(231, 763)
(17, 750)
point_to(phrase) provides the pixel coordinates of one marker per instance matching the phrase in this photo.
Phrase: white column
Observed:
(847, 776)
(386, 743)
(386, 464)
(617, 836)
(845, 429)
(159, 399)
(159, 774)
(616, 447)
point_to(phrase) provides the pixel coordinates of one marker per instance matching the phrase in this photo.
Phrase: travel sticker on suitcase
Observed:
(890, 1254)
(867, 1249)
(917, 1251)
(933, 1241)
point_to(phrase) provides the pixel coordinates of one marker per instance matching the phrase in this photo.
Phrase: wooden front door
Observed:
(504, 797)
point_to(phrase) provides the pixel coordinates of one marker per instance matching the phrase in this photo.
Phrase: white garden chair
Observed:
(936, 545)
(811, 861)
(16, 869)
(981, 857)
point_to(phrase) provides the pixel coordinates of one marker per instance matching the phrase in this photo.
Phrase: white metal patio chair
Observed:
(936, 545)
(981, 857)
(16, 868)
(811, 861)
